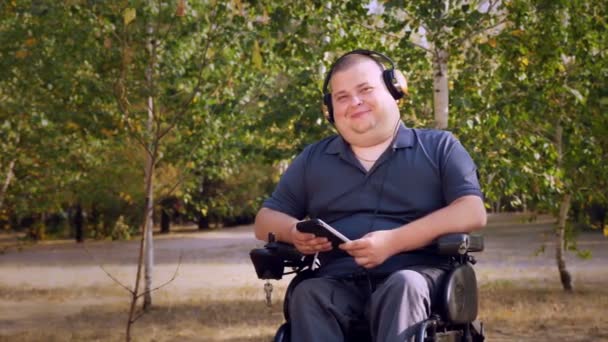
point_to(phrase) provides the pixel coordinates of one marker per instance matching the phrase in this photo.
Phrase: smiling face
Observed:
(365, 113)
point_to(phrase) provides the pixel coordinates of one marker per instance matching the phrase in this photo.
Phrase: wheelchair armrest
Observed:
(457, 244)
(270, 261)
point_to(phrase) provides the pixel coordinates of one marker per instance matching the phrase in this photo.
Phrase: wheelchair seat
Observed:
(452, 319)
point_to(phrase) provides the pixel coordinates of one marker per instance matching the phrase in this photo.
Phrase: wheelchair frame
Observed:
(454, 319)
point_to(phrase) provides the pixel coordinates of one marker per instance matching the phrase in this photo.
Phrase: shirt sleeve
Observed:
(289, 197)
(458, 173)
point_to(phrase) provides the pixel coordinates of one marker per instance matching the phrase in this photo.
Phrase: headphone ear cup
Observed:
(328, 109)
(395, 83)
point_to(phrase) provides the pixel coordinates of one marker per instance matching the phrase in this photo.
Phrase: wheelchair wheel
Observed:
(283, 334)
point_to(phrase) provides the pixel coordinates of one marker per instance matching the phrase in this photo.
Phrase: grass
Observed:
(50, 292)
(235, 315)
(544, 312)
(510, 311)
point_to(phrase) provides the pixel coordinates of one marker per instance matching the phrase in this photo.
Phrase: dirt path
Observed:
(220, 258)
(45, 283)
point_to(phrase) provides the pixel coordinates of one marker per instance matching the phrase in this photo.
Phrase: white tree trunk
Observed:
(149, 174)
(7, 180)
(440, 87)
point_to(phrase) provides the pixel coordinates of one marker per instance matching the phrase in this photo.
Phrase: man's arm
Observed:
(276, 222)
(283, 227)
(463, 215)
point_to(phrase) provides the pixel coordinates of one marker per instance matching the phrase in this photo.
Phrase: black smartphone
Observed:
(322, 229)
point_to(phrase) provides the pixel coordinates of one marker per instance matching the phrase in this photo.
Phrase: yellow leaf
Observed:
(128, 15)
(238, 7)
(126, 197)
(30, 41)
(21, 54)
(72, 125)
(492, 42)
(256, 56)
(606, 230)
(524, 61)
(180, 11)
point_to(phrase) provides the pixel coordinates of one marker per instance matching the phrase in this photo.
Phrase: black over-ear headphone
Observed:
(393, 78)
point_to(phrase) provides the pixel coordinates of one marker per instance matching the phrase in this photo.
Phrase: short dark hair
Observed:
(349, 60)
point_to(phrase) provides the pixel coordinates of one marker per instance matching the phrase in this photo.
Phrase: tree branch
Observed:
(179, 263)
(479, 31)
(393, 35)
(106, 272)
(195, 90)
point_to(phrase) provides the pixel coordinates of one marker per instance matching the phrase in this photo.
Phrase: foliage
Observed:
(551, 73)
(238, 93)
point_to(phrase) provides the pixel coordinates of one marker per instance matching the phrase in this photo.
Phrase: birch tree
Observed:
(543, 132)
(444, 29)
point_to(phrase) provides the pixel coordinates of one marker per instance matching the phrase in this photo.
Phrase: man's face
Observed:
(365, 112)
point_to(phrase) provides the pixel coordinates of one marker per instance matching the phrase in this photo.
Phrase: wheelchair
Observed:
(452, 319)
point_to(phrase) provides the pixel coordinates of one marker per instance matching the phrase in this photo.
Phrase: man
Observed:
(390, 189)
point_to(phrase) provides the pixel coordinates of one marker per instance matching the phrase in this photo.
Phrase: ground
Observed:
(58, 291)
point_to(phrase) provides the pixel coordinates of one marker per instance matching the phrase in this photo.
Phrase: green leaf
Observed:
(577, 94)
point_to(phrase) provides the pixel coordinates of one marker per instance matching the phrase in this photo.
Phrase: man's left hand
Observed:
(372, 249)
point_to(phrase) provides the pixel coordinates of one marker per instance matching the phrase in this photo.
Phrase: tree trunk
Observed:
(440, 87)
(150, 161)
(78, 224)
(560, 247)
(562, 221)
(203, 222)
(149, 248)
(165, 222)
(7, 181)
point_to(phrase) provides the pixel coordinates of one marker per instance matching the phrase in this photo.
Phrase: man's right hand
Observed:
(307, 243)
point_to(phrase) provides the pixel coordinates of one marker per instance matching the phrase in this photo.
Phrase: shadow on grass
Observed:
(527, 311)
(245, 320)
(198, 320)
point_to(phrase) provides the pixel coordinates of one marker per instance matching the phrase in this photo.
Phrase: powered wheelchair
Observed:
(452, 319)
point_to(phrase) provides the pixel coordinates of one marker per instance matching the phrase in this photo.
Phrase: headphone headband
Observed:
(363, 52)
(394, 80)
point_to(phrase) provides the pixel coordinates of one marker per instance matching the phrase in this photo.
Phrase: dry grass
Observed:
(238, 314)
(544, 312)
(54, 292)
(510, 311)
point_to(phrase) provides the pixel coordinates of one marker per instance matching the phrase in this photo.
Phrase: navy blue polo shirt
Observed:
(422, 171)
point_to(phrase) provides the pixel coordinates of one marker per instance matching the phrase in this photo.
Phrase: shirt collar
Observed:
(405, 138)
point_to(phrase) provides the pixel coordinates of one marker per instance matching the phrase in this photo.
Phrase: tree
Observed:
(42, 145)
(445, 30)
(164, 60)
(546, 109)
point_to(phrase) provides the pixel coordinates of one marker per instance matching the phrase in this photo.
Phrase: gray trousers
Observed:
(325, 309)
